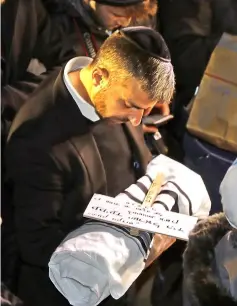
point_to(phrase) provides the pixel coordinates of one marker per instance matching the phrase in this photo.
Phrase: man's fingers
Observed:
(149, 129)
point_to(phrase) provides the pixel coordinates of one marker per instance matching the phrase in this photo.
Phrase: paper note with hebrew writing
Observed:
(132, 215)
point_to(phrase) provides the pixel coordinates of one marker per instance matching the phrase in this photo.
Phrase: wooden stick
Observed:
(151, 195)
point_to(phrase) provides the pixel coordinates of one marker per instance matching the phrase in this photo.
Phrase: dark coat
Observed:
(192, 28)
(203, 282)
(27, 32)
(77, 25)
(56, 165)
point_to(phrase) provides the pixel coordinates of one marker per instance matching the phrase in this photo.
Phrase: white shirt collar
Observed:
(86, 109)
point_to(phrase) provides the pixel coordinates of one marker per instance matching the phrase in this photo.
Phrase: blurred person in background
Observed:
(192, 29)
(27, 33)
(89, 22)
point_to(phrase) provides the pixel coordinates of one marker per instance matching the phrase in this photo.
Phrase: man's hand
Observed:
(151, 129)
(161, 108)
(161, 244)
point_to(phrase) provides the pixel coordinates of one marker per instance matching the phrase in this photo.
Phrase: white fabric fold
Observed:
(95, 261)
(100, 259)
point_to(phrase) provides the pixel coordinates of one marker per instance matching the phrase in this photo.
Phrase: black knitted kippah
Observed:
(147, 40)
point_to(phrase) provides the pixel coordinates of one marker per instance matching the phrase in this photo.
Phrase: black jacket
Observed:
(57, 161)
(27, 32)
(78, 23)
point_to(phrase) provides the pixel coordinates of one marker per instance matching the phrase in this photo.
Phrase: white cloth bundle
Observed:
(100, 259)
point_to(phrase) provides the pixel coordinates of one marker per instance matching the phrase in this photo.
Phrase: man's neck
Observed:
(80, 81)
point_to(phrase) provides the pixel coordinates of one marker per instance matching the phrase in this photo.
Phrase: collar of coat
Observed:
(201, 283)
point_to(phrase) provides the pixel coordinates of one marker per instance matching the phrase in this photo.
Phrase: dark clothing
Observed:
(85, 34)
(104, 136)
(210, 260)
(167, 285)
(27, 33)
(187, 28)
(57, 159)
(192, 28)
(57, 6)
(81, 27)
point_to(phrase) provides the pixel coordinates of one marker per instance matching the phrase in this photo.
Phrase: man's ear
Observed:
(100, 77)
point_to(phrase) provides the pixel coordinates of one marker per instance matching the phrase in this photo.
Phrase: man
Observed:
(80, 140)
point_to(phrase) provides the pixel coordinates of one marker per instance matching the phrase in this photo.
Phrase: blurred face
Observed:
(112, 17)
(120, 101)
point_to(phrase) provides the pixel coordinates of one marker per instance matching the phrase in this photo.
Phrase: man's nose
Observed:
(136, 117)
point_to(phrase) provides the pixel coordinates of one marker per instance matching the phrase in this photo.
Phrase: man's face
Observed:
(112, 17)
(121, 101)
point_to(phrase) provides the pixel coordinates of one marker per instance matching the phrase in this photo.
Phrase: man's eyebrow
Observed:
(134, 105)
(118, 15)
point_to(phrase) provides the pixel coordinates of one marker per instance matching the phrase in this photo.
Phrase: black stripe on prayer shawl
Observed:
(150, 179)
(161, 203)
(131, 197)
(185, 195)
(142, 187)
(144, 238)
(173, 195)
